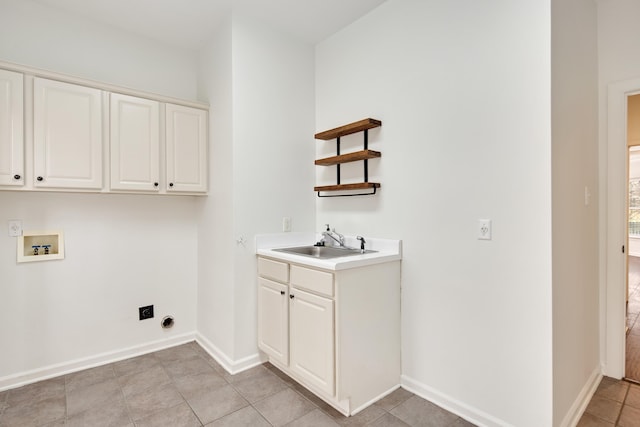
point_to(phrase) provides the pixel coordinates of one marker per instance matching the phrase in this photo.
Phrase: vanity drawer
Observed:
(273, 269)
(317, 281)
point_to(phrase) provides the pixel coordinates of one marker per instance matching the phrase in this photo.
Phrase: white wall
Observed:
(261, 87)
(463, 91)
(576, 361)
(273, 127)
(215, 222)
(123, 251)
(44, 37)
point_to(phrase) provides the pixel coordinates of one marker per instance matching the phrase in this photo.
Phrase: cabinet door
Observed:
(11, 129)
(312, 339)
(135, 143)
(67, 135)
(186, 136)
(273, 319)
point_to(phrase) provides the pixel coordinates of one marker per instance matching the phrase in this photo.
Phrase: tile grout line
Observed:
(622, 407)
(253, 403)
(189, 405)
(66, 401)
(180, 393)
(126, 401)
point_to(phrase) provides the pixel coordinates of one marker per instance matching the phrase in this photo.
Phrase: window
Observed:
(634, 207)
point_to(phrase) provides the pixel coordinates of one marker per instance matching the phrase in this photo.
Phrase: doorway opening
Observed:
(614, 232)
(632, 294)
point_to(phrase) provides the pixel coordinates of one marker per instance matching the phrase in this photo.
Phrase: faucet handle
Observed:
(362, 242)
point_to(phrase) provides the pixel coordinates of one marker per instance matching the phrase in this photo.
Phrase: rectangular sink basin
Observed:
(322, 252)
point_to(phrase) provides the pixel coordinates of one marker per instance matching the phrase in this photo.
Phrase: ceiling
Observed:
(189, 23)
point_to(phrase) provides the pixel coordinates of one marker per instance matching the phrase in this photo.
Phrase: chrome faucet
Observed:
(362, 242)
(339, 239)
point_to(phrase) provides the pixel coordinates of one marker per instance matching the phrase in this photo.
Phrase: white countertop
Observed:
(386, 250)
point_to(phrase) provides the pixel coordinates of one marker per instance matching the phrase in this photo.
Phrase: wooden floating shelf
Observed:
(363, 155)
(340, 187)
(350, 157)
(349, 129)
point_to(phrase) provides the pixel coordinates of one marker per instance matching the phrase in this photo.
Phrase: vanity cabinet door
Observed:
(67, 135)
(135, 143)
(312, 339)
(273, 319)
(11, 129)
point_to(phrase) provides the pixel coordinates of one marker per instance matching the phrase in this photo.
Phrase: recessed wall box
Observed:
(40, 246)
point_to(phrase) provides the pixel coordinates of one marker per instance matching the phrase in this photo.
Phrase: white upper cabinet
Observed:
(11, 129)
(135, 143)
(186, 154)
(67, 135)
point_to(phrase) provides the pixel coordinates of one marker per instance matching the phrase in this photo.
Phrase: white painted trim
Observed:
(28, 377)
(574, 414)
(343, 406)
(375, 399)
(230, 365)
(469, 413)
(616, 229)
(99, 85)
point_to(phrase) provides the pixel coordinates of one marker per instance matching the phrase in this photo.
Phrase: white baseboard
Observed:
(572, 417)
(231, 366)
(469, 413)
(374, 400)
(51, 371)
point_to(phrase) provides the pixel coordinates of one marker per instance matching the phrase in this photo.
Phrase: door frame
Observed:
(615, 211)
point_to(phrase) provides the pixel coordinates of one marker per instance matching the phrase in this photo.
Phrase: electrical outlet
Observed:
(286, 224)
(15, 228)
(587, 196)
(484, 229)
(146, 312)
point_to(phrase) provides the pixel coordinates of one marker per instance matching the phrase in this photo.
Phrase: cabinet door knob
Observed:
(291, 296)
(39, 178)
(155, 184)
(16, 177)
(281, 292)
(171, 184)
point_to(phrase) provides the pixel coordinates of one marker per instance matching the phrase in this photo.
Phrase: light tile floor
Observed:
(184, 386)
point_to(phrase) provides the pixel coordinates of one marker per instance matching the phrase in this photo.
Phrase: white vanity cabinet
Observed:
(67, 135)
(273, 312)
(312, 327)
(11, 128)
(312, 339)
(341, 328)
